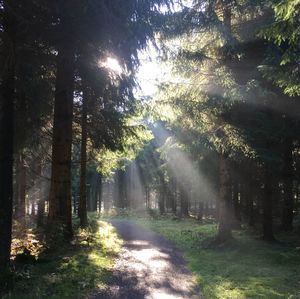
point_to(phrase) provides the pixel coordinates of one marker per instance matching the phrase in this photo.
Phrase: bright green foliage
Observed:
(134, 139)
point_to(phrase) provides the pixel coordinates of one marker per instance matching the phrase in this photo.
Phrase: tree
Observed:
(7, 97)
(281, 65)
(60, 204)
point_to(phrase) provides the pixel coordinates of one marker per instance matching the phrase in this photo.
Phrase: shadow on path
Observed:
(149, 267)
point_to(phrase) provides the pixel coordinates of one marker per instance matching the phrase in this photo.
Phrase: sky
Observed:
(150, 72)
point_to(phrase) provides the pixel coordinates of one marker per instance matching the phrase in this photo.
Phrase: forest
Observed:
(150, 149)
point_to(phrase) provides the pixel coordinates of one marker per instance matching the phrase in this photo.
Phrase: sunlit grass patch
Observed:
(73, 270)
(247, 269)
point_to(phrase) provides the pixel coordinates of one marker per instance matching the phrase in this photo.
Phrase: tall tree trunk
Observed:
(162, 195)
(184, 202)
(225, 209)
(7, 93)
(60, 201)
(100, 189)
(121, 189)
(16, 186)
(288, 200)
(225, 202)
(236, 202)
(161, 201)
(268, 206)
(82, 210)
(200, 211)
(94, 197)
(249, 196)
(21, 185)
(41, 197)
(174, 196)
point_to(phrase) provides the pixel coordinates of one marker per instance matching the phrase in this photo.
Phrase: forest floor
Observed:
(148, 267)
(99, 264)
(68, 270)
(246, 268)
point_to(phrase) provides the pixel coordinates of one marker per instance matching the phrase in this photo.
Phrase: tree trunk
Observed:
(184, 202)
(161, 201)
(6, 138)
(174, 203)
(288, 201)
(249, 202)
(225, 203)
(236, 203)
(121, 201)
(41, 196)
(60, 201)
(200, 211)
(82, 209)
(268, 206)
(21, 186)
(100, 189)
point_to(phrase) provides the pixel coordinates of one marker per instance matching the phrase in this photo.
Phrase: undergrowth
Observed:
(69, 270)
(247, 268)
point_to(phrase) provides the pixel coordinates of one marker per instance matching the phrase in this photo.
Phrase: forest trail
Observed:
(149, 267)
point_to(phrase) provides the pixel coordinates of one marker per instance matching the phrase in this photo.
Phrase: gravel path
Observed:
(149, 267)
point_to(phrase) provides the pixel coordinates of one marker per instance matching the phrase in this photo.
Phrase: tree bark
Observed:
(99, 187)
(21, 185)
(236, 202)
(184, 202)
(82, 209)
(225, 203)
(161, 201)
(200, 211)
(249, 202)
(41, 197)
(7, 94)
(162, 195)
(60, 201)
(268, 206)
(288, 201)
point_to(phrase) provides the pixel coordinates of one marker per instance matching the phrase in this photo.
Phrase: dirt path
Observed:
(149, 267)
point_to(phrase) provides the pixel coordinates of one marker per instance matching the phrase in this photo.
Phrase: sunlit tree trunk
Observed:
(82, 209)
(60, 201)
(7, 94)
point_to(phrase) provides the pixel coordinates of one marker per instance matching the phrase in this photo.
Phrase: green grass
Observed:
(73, 270)
(247, 268)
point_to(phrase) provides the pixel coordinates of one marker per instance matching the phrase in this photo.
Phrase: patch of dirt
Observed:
(149, 267)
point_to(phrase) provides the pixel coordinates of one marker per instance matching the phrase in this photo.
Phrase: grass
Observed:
(70, 271)
(246, 269)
